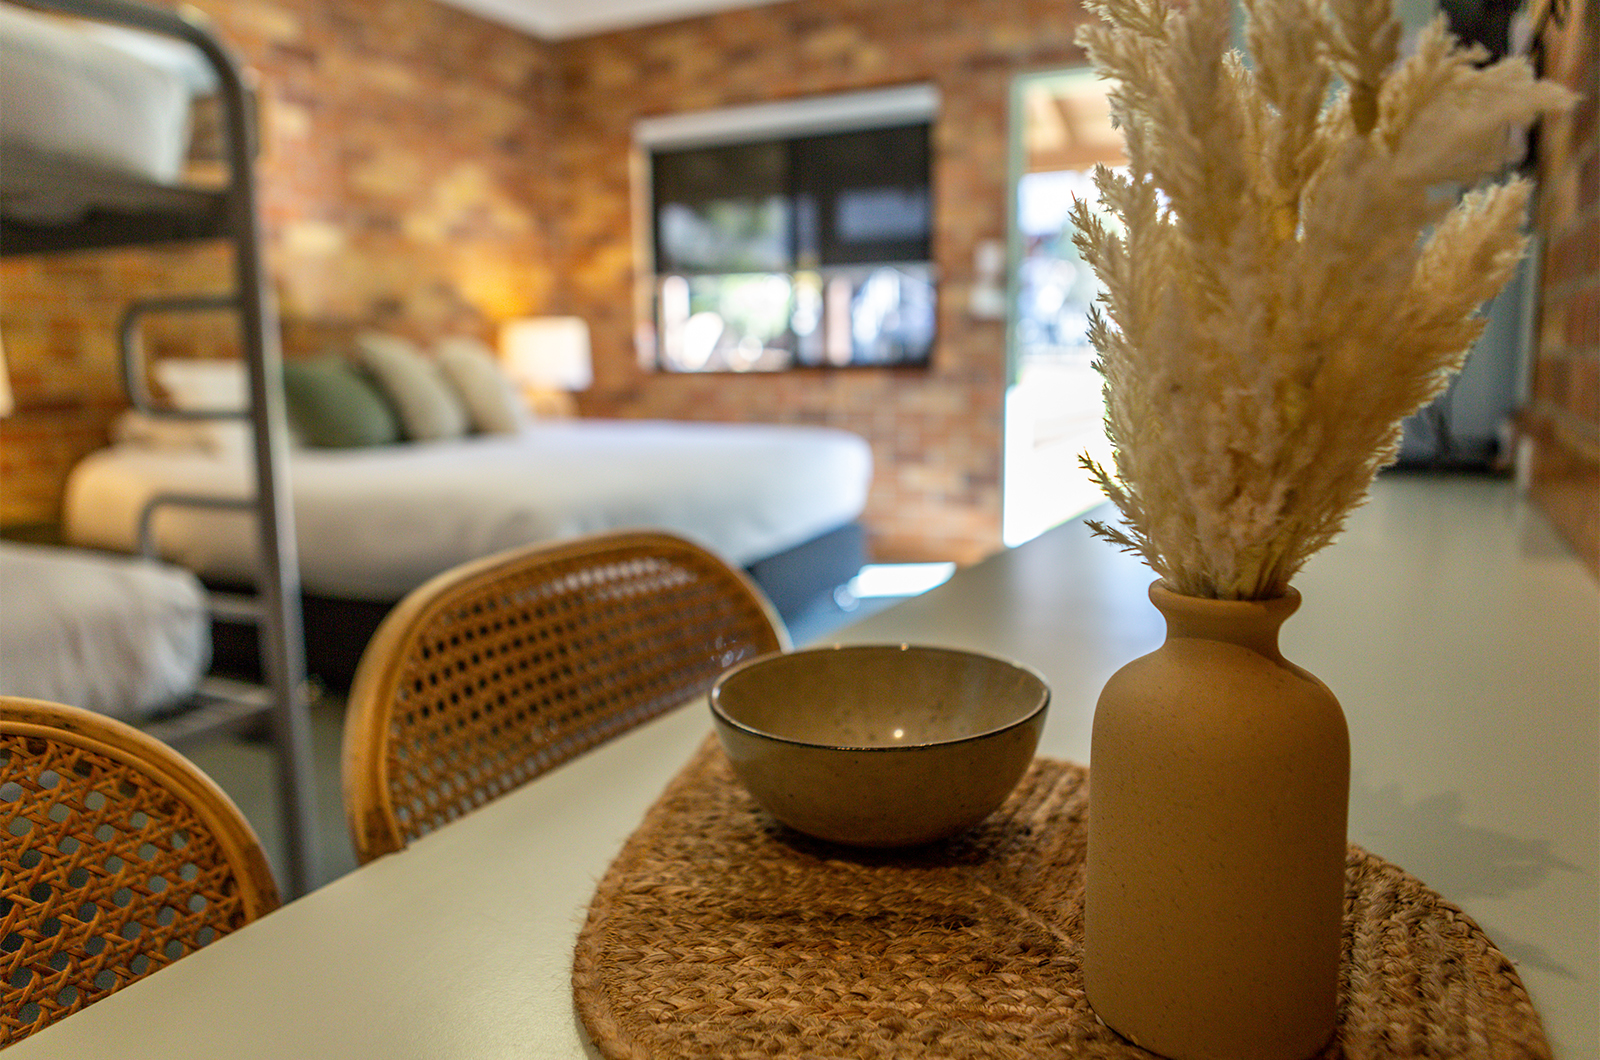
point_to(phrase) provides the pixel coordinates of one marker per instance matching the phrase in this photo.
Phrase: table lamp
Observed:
(549, 358)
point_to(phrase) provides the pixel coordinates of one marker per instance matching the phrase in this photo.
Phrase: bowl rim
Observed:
(723, 717)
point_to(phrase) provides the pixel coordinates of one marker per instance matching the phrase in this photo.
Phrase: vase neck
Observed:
(1250, 624)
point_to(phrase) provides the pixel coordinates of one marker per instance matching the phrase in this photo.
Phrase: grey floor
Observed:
(245, 767)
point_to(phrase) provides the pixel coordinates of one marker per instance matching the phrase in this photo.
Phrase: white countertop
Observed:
(1462, 639)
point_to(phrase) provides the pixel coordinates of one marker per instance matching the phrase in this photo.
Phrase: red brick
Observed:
(1583, 388)
(1566, 390)
(1582, 316)
(1589, 177)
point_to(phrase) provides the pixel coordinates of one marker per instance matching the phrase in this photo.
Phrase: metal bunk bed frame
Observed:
(130, 212)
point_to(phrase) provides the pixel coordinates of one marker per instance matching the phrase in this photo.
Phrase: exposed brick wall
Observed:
(1564, 413)
(59, 320)
(936, 434)
(405, 173)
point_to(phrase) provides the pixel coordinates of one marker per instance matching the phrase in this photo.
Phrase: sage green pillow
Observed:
(333, 405)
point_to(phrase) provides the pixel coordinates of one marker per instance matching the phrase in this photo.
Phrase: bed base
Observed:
(337, 630)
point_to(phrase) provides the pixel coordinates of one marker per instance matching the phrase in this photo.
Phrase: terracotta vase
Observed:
(1219, 788)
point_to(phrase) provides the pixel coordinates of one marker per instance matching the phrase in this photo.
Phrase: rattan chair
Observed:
(118, 856)
(501, 669)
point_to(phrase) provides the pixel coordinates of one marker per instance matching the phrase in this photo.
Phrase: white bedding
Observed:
(106, 97)
(114, 634)
(374, 523)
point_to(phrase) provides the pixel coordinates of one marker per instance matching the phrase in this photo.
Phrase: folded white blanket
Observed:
(114, 634)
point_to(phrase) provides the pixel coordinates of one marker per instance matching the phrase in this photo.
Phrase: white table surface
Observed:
(1460, 636)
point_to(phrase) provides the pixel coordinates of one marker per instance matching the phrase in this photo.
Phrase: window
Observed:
(776, 248)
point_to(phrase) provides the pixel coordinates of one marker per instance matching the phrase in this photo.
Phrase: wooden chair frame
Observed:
(498, 670)
(117, 857)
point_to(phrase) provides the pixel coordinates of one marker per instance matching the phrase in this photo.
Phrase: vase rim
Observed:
(1160, 591)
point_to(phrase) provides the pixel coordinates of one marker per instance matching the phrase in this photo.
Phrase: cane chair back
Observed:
(501, 669)
(117, 857)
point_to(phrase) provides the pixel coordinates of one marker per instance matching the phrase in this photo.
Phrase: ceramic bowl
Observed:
(879, 745)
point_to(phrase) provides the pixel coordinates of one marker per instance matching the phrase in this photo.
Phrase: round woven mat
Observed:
(719, 933)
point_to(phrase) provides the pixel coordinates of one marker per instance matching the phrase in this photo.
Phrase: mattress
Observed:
(374, 523)
(115, 634)
(103, 97)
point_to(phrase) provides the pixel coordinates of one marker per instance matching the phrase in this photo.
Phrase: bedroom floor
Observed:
(244, 767)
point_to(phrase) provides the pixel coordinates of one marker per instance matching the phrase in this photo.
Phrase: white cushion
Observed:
(203, 384)
(428, 405)
(491, 398)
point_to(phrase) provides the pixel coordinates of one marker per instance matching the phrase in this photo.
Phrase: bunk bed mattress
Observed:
(99, 96)
(115, 634)
(374, 523)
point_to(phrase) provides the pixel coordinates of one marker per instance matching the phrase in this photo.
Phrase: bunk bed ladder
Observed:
(278, 590)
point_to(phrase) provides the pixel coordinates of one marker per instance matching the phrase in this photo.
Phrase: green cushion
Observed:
(333, 405)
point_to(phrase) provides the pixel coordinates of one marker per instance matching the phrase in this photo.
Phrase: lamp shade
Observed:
(550, 353)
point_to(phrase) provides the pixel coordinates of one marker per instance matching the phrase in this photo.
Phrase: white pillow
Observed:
(221, 437)
(428, 405)
(203, 384)
(491, 398)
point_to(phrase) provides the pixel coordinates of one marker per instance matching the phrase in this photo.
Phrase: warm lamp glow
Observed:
(548, 353)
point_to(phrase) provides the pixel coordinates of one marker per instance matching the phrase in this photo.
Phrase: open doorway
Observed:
(1060, 129)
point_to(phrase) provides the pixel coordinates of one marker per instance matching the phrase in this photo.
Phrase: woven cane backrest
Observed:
(117, 857)
(502, 669)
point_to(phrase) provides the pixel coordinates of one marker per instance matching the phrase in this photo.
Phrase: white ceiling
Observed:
(561, 19)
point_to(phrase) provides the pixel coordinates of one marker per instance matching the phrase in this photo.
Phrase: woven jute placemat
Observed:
(719, 933)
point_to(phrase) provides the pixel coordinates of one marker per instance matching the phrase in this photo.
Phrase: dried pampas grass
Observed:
(1294, 272)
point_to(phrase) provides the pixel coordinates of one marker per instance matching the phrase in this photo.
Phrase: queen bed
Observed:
(372, 523)
(375, 522)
